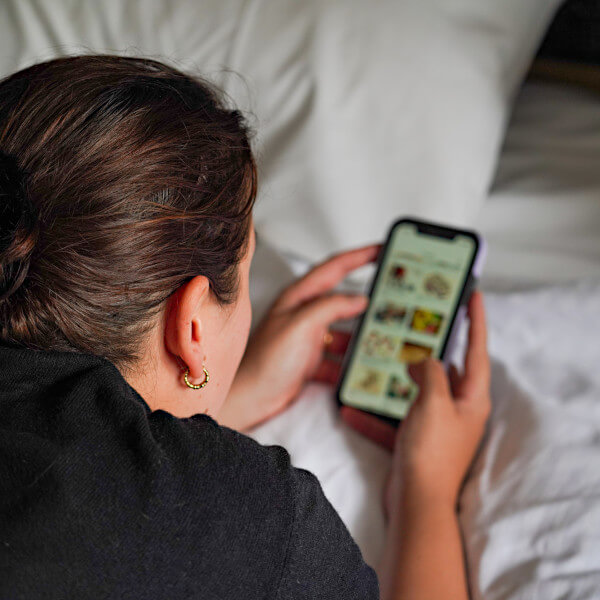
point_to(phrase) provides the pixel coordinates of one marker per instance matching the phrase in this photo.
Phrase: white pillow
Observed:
(365, 110)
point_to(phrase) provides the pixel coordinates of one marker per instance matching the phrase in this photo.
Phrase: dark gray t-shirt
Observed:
(102, 498)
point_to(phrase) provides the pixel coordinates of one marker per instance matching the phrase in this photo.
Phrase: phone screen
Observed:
(413, 304)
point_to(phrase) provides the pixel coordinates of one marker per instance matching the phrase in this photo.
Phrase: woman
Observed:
(126, 192)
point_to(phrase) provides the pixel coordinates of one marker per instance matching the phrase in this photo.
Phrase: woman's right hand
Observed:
(435, 444)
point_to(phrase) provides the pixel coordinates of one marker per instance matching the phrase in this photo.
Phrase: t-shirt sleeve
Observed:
(322, 560)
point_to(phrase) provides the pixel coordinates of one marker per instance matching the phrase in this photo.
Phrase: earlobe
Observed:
(196, 386)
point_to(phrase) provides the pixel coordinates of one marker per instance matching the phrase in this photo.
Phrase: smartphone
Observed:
(425, 275)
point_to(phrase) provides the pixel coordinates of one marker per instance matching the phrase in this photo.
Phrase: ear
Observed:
(183, 327)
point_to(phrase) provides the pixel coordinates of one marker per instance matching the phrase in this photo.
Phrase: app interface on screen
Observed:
(411, 309)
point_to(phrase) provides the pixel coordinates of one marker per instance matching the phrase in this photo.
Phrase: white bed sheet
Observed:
(531, 507)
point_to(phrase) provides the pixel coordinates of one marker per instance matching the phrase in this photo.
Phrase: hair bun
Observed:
(18, 226)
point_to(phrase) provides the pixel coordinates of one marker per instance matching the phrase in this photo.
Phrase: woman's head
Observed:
(126, 192)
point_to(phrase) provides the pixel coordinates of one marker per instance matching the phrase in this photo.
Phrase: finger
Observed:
(477, 363)
(370, 426)
(339, 342)
(327, 309)
(455, 379)
(431, 378)
(327, 371)
(326, 275)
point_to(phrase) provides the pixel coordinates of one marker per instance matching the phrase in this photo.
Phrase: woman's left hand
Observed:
(286, 349)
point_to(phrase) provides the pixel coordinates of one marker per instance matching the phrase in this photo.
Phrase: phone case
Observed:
(452, 339)
(461, 313)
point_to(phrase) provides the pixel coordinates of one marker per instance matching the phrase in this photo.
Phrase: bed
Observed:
(519, 163)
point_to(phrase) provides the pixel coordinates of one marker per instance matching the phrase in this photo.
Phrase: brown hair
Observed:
(120, 180)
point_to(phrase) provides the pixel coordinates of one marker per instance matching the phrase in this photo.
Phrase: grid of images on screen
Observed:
(406, 325)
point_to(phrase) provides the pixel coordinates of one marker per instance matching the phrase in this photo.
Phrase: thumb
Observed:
(431, 378)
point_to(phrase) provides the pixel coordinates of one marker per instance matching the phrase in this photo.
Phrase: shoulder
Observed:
(200, 443)
(280, 507)
(213, 463)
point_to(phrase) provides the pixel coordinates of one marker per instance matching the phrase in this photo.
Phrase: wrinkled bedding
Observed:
(530, 510)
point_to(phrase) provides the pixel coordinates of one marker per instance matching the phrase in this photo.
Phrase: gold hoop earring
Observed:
(196, 386)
